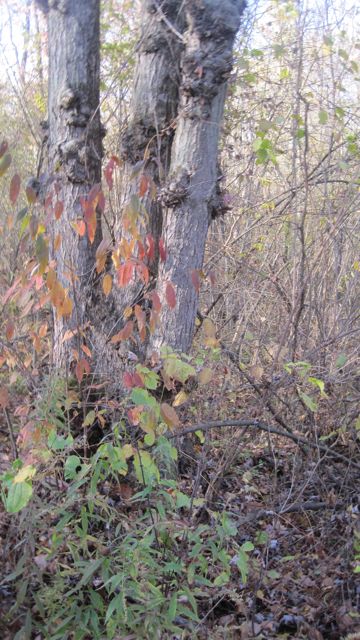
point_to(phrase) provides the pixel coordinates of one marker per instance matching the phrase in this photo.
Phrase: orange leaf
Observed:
(107, 284)
(86, 350)
(14, 188)
(169, 415)
(81, 368)
(80, 227)
(43, 330)
(170, 296)
(66, 308)
(91, 224)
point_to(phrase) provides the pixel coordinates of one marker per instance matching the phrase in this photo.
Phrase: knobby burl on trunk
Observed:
(184, 58)
(192, 189)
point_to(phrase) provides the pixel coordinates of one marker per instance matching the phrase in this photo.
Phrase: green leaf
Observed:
(72, 467)
(146, 470)
(323, 117)
(177, 369)
(318, 383)
(308, 401)
(142, 397)
(243, 565)
(171, 613)
(59, 443)
(5, 163)
(18, 496)
(341, 361)
(151, 379)
(247, 546)
(89, 419)
(182, 500)
(221, 579)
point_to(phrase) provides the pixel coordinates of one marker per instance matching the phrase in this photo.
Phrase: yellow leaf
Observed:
(209, 328)
(128, 312)
(180, 398)
(107, 284)
(25, 473)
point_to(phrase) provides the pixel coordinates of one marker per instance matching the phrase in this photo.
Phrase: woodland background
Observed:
(255, 534)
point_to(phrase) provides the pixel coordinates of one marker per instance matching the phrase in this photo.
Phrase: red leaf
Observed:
(125, 273)
(153, 296)
(195, 279)
(101, 201)
(14, 188)
(150, 246)
(138, 381)
(170, 296)
(141, 250)
(162, 250)
(128, 380)
(93, 193)
(127, 330)
(59, 208)
(3, 148)
(143, 272)
(144, 183)
(109, 170)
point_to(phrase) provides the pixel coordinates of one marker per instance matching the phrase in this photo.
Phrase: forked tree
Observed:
(170, 162)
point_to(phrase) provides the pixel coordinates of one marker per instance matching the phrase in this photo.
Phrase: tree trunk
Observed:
(190, 193)
(75, 153)
(146, 143)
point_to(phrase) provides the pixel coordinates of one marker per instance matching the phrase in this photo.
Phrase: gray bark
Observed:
(191, 186)
(146, 143)
(75, 151)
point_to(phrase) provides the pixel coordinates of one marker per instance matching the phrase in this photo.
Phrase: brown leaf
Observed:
(4, 397)
(14, 188)
(169, 415)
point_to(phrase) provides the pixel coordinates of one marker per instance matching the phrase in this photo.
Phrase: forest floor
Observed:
(299, 507)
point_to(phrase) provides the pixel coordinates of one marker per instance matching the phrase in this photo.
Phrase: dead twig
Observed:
(262, 426)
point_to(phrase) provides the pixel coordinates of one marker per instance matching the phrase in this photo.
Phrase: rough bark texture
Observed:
(146, 143)
(192, 182)
(75, 150)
